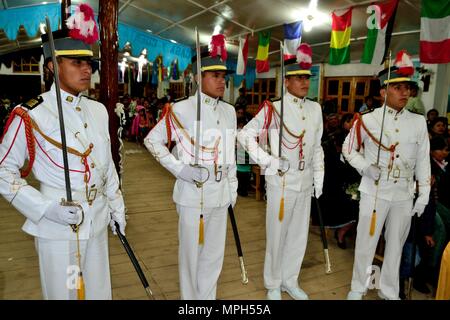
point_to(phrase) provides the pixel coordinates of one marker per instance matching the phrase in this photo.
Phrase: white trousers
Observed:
(200, 265)
(396, 217)
(58, 267)
(285, 240)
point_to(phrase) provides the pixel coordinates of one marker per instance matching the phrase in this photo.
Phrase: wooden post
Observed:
(65, 14)
(109, 16)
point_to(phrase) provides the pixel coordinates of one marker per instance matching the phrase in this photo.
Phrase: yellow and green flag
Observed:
(341, 29)
(262, 56)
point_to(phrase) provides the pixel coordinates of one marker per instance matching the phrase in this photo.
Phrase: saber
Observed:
(324, 239)
(199, 97)
(238, 245)
(384, 111)
(68, 201)
(374, 212)
(196, 164)
(413, 257)
(280, 138)
(134, 261)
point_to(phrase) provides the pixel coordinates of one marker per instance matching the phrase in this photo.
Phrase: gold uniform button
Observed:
(91, 145)
(78, 108)
(218, 122)
(396, 130)
(395, 118)
(92, 165)
(85, 125)
(296, 100)
(395, 181)
(397, 156)
(303, 118)
(304, 143)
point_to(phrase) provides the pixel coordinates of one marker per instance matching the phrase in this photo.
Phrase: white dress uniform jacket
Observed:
(299, 115)
(410, 160)
(218, 125)
(287, 239)
(400, 167)
(86, 122)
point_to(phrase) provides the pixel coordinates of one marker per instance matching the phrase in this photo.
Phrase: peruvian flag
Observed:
(292, 39)
(435, 32)
(242, 56)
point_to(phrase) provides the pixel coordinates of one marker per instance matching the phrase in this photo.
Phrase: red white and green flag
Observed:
(262, 56)
(435, 31)
(379, 30)
(341, 30)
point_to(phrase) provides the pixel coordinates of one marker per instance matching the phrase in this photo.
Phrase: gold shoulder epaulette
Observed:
(415, 112)
(33, 103)
(275, 99)
(90, 98)
(226, 102)
(367, 111)
(180, 99)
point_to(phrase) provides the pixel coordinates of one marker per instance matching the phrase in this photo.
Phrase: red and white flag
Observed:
(242, 56)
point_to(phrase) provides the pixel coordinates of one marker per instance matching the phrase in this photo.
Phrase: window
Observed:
(263, 89)
(30, 65)
(347, 93)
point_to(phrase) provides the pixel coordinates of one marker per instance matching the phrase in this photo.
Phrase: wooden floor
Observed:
(152, 232)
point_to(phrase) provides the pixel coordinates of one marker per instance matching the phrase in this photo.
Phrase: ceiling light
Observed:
(173, 41)
(148, 30)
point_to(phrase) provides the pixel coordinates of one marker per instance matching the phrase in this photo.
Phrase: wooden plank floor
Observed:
(152, 232)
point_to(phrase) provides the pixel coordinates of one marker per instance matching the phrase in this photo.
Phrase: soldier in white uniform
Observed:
(287, 230)
(389, 186)
(202, 210)
(34, 135)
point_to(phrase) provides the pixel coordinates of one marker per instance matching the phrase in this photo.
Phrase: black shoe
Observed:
(421, 287)
(342, 244)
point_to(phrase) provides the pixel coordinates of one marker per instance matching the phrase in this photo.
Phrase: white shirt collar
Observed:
(210, 101)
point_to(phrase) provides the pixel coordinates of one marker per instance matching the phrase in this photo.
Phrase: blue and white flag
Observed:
(292, 39)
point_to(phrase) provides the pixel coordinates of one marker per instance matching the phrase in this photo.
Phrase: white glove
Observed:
(191, 174)
(64, 215)
(279, 164)
(373, 172)
(418, 208)
(317, 192)
(120, 219)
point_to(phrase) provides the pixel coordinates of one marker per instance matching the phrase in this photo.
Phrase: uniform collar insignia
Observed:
(294, 99)
(67, 97)
(209, 100)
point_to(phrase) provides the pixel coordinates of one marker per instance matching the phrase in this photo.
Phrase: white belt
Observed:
(77, 195)
(396, 174)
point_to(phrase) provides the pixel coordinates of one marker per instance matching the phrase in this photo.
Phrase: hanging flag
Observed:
(262, 56)
(379, 24)
(435, 32)
(292, 39)
(341, 29)
(242, 56)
